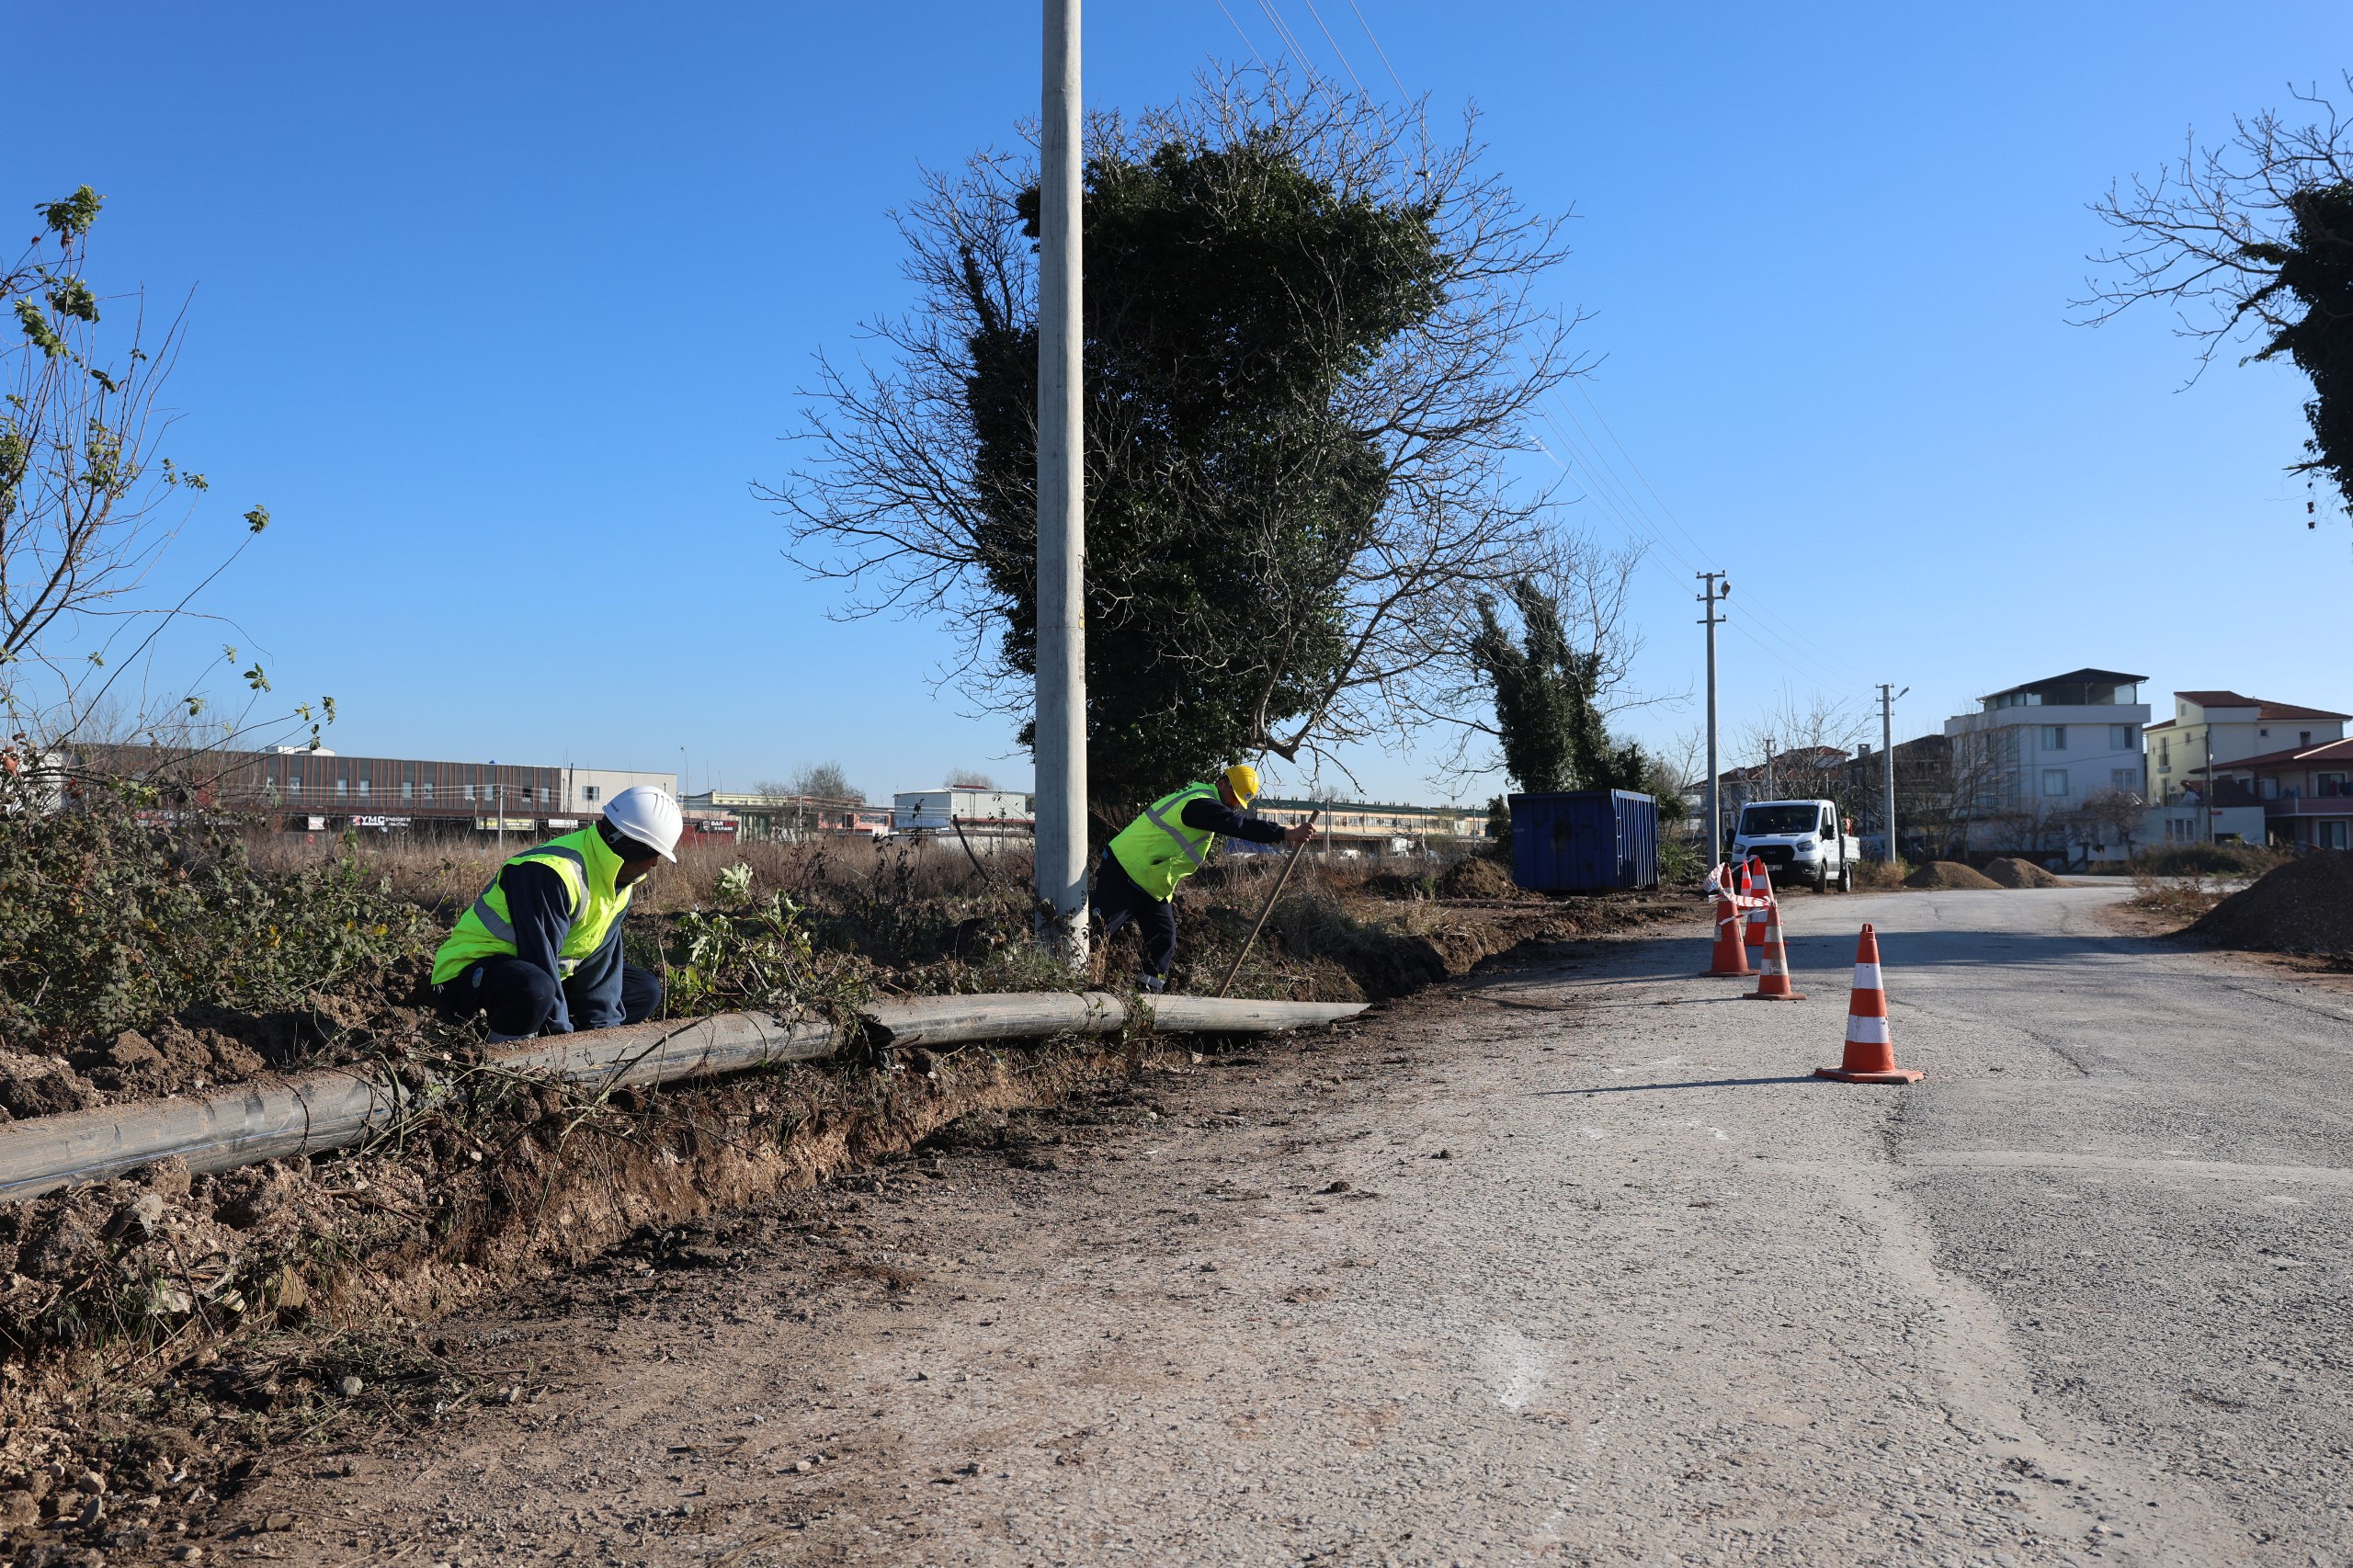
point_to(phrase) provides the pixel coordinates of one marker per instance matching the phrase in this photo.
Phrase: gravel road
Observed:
(1567, 1264)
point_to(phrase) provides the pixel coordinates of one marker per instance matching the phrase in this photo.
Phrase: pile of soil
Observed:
(1948, 874)
(2012, 872)
(2305, 906)
(203, 1050)
(1475, 876)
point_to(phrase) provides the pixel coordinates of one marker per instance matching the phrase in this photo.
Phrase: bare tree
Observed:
(1805, 744)
(970, 779)
(84, 492)
(2110, 817)
(2251, 240)
(893, 496)
(1588, 583)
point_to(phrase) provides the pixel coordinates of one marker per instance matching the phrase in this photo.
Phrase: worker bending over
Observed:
(541, 950)
(1138, 877)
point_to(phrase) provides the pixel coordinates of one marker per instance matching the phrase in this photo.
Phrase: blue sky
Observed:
(501, 311)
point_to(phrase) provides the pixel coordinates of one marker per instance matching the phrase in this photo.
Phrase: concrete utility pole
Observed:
(1887, 767)
(1060, 747)
(1715, 804)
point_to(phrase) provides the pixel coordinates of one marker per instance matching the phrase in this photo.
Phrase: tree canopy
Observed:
(1309, 341)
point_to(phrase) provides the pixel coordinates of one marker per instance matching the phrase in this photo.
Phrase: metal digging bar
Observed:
(336, 1107)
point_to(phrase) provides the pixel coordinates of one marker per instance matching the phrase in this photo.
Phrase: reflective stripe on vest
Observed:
(1177, 831)
(1157, 850)
(586, 866)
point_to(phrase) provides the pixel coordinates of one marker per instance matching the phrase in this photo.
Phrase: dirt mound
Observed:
(2012, 872)
(1475, 876)
(2305, 906)
(1947, 874)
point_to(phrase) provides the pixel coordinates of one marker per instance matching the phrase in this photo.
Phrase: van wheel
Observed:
(1846, 876)
(1822, 877)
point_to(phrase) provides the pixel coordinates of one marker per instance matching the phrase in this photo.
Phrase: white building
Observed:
(981, 817)
(586, 790)
(2026, 763)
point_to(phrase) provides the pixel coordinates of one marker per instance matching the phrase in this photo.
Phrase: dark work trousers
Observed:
(520, 998)
(1118, 899)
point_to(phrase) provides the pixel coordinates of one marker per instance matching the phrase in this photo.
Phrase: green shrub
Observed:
(119, 912)
(1679, 863)
(2205, 859)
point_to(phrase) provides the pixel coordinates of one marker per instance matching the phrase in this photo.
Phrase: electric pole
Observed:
(1887, 767)
(1715, 805)
(1060, 747)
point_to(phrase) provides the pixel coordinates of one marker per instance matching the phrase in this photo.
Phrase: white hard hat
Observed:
(648, 816)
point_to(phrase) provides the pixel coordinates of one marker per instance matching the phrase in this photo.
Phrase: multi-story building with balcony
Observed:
(2194, 794)
(2305, 794)
(2035, 765)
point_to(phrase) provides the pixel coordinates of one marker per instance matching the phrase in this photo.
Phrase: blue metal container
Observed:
(1584, 841)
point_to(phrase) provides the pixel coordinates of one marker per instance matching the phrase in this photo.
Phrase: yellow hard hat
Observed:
(1243, 779)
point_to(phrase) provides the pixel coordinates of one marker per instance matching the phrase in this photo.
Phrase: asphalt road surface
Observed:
(1571, 1264)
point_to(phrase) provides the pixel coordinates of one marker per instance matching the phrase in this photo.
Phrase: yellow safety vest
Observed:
(586, 866)
(1157, 849)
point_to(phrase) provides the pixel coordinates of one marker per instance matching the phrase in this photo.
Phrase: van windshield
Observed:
(1780, 819)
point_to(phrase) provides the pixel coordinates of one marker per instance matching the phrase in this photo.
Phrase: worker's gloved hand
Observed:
(1299, 833)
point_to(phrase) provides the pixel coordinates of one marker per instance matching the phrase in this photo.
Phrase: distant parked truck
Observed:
(1800, 841)
(1584, 841)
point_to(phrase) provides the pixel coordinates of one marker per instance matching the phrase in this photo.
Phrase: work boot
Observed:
(496, 1038)
(1152, 984)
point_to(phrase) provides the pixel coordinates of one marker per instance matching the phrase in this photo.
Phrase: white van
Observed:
(1800, 841)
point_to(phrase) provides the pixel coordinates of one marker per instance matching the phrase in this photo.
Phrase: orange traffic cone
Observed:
(1753, 936)
(1729, 955)
(1871, 1053)
(1773, 973)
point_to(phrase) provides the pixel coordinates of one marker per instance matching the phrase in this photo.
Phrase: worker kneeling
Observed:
(1173, 839)
(541, 950)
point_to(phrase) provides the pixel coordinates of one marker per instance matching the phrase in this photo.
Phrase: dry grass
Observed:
(446, 876)
(2178, 899)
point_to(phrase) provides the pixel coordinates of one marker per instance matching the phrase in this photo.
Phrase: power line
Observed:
(1788, 633)
(1245, 37)
(1813, 662)
(1336, 47)
(1401, 93)
(1603, 487)
(1282, 32)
